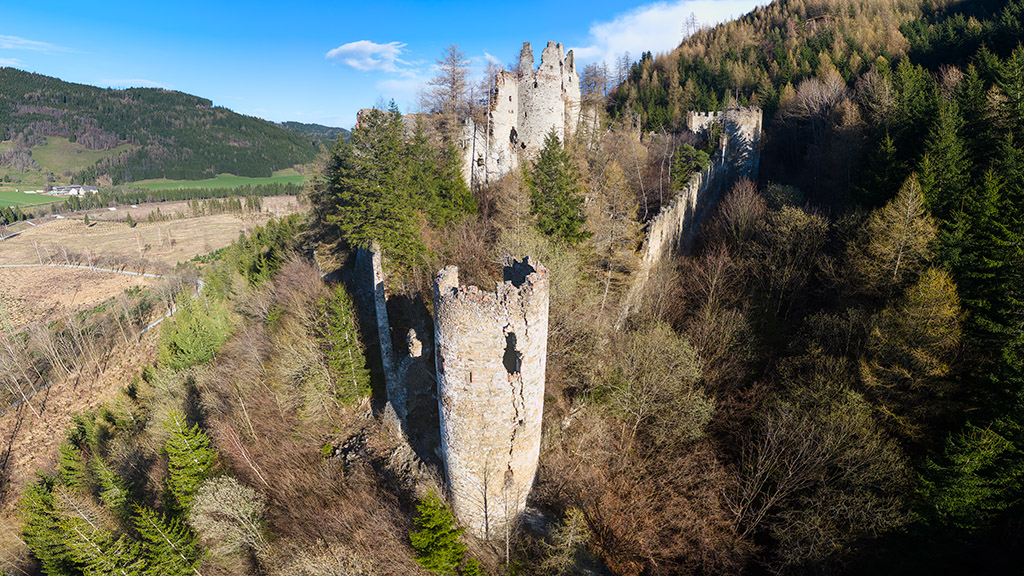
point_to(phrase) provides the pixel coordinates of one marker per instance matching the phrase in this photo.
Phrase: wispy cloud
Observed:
(19, 43)
(10, 62)
(366, 55)
(655, 27)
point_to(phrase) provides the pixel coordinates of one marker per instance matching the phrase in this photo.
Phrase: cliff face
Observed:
(525, 107)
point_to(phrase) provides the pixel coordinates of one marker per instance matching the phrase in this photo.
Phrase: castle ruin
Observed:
(524, 107)
(491, 353)
(672, 231)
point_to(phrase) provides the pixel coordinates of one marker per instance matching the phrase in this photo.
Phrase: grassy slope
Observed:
(224, 181)
(8, 197)
(60, 155)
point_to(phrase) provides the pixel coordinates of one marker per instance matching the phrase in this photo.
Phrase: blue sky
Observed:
(320, 62)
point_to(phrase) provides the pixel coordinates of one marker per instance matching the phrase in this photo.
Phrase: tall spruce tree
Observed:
(344, 349)
(436, 540)
(42, 531)
(170, 547)
(555, 193)
(366, 196)
(190, 459)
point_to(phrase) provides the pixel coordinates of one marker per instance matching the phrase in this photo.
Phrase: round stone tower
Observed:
(491, 355)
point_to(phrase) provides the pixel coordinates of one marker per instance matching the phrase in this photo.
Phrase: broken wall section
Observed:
(491, 356)
(524, 108)
(674, 229)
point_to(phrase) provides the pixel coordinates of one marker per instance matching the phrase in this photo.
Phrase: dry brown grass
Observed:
(30, 295)
(156, 246)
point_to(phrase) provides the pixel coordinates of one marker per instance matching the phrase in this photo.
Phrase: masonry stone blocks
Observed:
(524, 107)
(491, 353)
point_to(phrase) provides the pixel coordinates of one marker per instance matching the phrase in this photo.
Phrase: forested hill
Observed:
(170, 134)
(319, 132)
(873, 108)
(761, 57)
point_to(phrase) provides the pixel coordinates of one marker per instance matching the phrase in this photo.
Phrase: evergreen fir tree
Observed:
(366, 196)
(170, 547)
(555, 193)
(190, 459)
(112, 490)
(436, 540)
(945, 168)
(98, 553)
(42, 531)
(344, 350)
(73, 470)
(885, 172)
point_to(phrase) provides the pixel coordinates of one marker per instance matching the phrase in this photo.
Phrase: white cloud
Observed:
(18, 43)
(655, 27)
(366, 55)
(10, 62)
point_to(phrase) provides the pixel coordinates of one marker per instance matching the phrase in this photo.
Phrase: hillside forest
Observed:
(831, 381)
(157, 133)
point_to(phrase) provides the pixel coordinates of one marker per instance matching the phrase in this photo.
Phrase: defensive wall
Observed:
(672, 231)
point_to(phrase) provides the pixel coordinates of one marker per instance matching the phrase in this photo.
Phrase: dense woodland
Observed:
(172, 135)
(830, 382)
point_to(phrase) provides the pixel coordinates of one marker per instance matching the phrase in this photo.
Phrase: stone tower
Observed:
(491, 352)
(524, 107)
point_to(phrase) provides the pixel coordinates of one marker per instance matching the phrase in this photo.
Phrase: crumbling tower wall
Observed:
(524, 107)
(491, 354)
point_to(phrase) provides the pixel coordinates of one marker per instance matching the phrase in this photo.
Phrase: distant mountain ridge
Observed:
(170, 134)
(327, 134)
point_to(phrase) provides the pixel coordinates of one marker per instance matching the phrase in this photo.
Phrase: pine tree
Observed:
(436, 540)
(190, 459)
(42, 531)
(170, 548)
(344, 350)
(555, 193)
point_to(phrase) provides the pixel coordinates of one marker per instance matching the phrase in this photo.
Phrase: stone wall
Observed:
(672, 231)
(393, 382)
(491, 353)
(524, 108)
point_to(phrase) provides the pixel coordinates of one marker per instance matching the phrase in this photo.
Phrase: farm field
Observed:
(150, 246)
(9, 197)
(59, 155)
(289, 176)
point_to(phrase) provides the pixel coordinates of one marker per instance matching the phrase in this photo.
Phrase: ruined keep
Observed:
(524, 107)
(491, 352)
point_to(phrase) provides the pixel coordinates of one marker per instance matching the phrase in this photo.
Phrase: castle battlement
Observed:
(524, 107)
(491, 354)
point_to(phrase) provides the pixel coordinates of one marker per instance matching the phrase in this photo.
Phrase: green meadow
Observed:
(289, 176)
